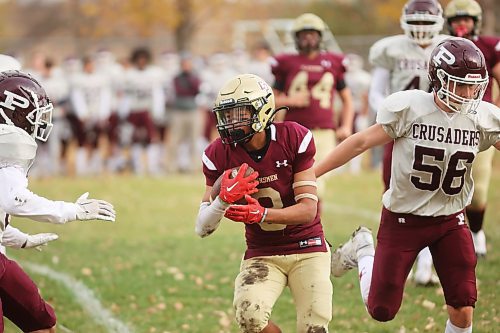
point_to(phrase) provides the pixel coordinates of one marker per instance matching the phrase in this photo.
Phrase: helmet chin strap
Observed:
(271, 116)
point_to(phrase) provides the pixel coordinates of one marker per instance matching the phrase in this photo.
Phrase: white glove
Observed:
(93, 209)
(15, 238)
(38, 240)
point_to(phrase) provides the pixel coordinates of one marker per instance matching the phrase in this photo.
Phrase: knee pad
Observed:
(382, 313)
(251, 317)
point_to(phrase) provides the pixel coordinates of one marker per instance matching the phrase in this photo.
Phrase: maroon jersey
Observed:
(490, 46)
(291, 150)
(319, 77)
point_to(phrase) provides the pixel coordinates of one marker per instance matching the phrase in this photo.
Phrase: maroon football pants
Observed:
(400, 238)
(21, 301)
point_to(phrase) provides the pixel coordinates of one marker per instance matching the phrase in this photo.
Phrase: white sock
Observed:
(425, 257)
(137, 159)
(81, 164)
(95, 164)
(365, 268)
(153, 157)
(450, 328)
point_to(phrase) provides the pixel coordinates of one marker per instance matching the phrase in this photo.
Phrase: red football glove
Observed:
(248, 214)
(233, 189)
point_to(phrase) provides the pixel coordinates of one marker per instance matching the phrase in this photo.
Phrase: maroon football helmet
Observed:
(422, 20)
(456, 62)
(24, 104)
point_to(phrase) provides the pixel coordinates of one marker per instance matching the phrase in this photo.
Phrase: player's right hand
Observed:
(38, 240)
(233, 189)
(93, 209)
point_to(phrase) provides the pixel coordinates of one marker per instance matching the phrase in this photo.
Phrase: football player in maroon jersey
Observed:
(307, 83)
(285, 242)
(464, 19)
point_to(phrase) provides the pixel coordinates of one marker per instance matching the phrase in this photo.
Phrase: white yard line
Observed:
(84, 296)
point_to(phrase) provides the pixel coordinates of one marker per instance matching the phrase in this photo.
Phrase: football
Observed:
(216, 186)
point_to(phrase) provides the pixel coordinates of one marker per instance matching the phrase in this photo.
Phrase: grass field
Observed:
(152, 273)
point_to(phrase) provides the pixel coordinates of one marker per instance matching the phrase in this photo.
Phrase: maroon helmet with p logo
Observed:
(24, 104)
(455, 63)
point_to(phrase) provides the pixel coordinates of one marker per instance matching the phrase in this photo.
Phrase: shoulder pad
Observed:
(380, 47)
(488, 116)
(16, 147)
(398, 101)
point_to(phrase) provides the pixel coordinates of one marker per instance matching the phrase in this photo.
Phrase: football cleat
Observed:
(346, 256)
(479, 240)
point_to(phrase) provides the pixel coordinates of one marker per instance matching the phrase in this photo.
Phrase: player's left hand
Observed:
(93, 209)
(251, 213)
(38, 240)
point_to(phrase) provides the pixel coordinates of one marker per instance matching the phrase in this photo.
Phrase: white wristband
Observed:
(263, 216)
(209, 216)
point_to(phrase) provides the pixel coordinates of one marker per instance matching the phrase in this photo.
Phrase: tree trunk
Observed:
(184, 31)
(488, 7)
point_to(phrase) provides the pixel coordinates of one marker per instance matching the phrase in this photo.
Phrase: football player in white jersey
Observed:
(400, 63)
(91, 101)
(437, 136)
(143, 98)
(358, 80)
(13, 237)
(25, 116)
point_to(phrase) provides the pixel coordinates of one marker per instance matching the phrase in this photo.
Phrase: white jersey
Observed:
(17, 151)
(211, 82)
(405, 60)
(91, 96)
(143, 90)
(262, 68)
(433, 152)
(358, 82)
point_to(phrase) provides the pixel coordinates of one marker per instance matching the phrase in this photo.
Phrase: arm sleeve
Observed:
(209, 217)
(13, 237)
(379, 87)
(17, 200)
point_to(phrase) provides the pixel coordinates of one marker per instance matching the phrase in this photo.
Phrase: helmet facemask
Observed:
(449, 84)
(41, 119)
(235, 124)
(421, 27)
(309, 47)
